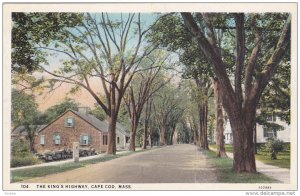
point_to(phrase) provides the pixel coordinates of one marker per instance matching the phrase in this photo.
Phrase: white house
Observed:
(228, 133)
(262, 133)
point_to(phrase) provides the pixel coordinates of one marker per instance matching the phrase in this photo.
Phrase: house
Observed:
(82, 127)
(228, 138)
(263, 133)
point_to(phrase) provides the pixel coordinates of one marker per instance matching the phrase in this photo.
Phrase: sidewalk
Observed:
(53, 163)
(277, 173)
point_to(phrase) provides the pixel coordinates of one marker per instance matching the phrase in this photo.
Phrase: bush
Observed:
(17, 161)
(21, 155)
(272, 147)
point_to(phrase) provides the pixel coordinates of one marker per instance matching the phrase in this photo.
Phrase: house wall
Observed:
(122, 141)
(283, 135)
(69, 135)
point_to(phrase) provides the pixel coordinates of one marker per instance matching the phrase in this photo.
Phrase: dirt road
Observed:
(172, 164)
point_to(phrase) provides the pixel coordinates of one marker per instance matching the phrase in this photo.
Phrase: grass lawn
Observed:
(24, 174)
(227, 175)
(283, 158)
(228, 147)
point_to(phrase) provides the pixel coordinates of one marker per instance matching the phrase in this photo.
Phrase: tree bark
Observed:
(134, 127)
(162, 138)
(203, 109)
(145, 134)
(220, 120)
(244, 159)
(111, 147)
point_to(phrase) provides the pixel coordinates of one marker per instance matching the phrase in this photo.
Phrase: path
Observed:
(172, 164)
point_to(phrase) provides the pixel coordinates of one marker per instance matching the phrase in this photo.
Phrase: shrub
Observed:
(272, 147)
(17, 161)
(21, 155)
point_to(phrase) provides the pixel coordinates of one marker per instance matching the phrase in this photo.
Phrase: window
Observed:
(118, 140)
(85, 139)
(70, 122)
(271, 118)
(270, 133)
(105, 139)
(56, 138)
(127, 139)
(42, 140)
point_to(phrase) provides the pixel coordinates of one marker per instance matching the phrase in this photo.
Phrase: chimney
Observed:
(84, 110)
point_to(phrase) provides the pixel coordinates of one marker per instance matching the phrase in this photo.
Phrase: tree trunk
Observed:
(134, 127)
(242, 129)
(111, 148)
(162, 138)
(205, 125)
(203, 109)
(132, 141)
(220, 120)
(172, 135)
(196, 138)
(150, 138)
(145, 134)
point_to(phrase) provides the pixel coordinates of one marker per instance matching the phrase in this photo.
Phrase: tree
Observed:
(24, 108)
(166, 104)
(98, 113)
(28, 31)
(143, 86)
(55, 111)
(240, 102)
(34, 28)
(99, 47)
(24, 112)
(147, 116)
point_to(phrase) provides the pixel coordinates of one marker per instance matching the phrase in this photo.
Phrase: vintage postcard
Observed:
(150, 96)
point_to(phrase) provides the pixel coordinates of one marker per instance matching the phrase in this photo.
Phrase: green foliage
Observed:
(272, 147)
(99, 113)
(275, 100)
(18, 161)
(24, 108)
(21, 155)
(179, 40)
(31, 29)
(57, 110)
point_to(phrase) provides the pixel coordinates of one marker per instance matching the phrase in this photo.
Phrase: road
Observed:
(181, 163)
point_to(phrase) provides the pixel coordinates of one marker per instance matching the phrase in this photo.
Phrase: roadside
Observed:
(280, 174)
(54, 163)
(28, 172)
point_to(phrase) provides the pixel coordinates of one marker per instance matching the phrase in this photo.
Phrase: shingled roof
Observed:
(101, 125)
(92, 120)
